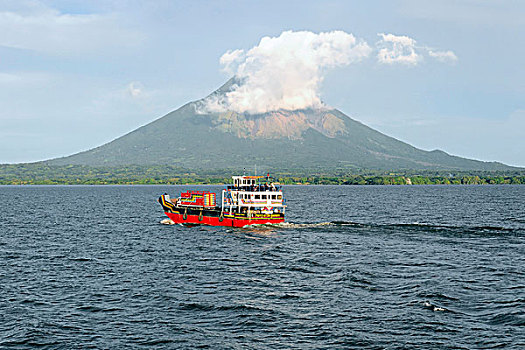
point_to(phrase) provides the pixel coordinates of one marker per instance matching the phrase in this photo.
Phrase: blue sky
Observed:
(77, 74)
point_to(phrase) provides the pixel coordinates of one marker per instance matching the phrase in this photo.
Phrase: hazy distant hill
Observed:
(311, 138)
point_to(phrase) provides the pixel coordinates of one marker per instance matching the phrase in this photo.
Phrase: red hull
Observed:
(227, 220)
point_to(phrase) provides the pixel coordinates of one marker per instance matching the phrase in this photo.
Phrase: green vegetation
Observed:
(402, 180)
(45, 174)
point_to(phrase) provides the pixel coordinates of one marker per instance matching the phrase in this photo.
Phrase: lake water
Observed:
(415, 267)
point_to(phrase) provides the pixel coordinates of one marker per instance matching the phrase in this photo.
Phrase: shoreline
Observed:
(300, 185)
(382, 182)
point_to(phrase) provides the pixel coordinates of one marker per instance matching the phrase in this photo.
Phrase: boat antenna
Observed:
(243, 171)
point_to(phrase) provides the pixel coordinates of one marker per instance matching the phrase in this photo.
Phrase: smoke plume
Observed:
(285, 72)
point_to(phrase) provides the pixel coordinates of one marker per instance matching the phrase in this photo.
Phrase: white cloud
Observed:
(443, 56)
(19, 79)
(134, 100)
(230, 59)
(397, 49)
(402, 49)
(34, 26)
(135, 89)
(285, 72)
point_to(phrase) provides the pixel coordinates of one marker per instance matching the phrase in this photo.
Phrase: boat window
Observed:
(263, 196)
(279, 196)
(274, 196)
(257, 196)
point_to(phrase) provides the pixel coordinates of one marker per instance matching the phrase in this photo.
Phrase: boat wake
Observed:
(304, 225)
(168, 222)
(410, 227)
(324, 224)
(415, 226)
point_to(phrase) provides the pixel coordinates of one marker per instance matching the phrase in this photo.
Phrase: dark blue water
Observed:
(412, 267)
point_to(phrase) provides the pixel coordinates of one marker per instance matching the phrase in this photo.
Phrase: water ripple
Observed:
(397, 268)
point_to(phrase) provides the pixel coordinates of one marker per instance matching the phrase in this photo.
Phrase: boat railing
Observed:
(255, 188)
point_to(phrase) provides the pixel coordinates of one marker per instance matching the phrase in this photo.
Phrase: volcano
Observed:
(320, 138)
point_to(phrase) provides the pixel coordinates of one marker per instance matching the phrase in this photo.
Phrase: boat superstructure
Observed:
(248, 200)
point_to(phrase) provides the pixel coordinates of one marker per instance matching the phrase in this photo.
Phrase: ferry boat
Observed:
(249, 200)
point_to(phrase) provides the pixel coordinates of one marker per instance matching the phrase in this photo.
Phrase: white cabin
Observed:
(249, 193)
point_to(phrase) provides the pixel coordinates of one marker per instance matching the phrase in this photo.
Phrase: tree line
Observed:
(43, 174)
